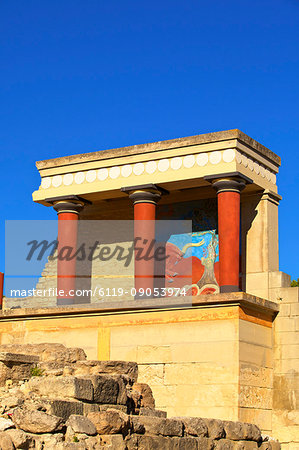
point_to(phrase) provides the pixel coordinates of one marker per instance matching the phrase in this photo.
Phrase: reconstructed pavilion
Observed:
(230, 354)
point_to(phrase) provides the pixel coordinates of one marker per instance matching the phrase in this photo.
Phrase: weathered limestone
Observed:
(93, 409)
(36, 421)
(15, 366)
(110, 421)
(64, 387)
(81, 424)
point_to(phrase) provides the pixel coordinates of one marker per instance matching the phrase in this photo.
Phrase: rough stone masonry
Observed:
(53, 398)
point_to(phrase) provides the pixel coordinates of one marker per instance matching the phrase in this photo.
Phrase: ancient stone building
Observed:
(227, 345)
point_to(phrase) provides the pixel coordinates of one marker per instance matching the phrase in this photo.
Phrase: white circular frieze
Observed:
(189, 161)
(163, 165)
(91, 176)
(126, 170)
(202, 159)
(79, 177)
(228, 155)
(250, 164)
(114, 172)
(238, 157)
(215, 157)
(46, 183)
(256, 167)
(268, 174)
(102, 174)
(176, 163)
(151, 167)
(273, 177)
(138, 168)
(57, 181)
(244, 160)
(68, 178)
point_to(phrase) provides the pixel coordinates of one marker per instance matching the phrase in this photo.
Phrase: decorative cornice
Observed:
(219, 136)
(159, 166)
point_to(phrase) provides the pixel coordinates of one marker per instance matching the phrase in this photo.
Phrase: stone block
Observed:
(193, 426)
(105, 389)
(65, 408)
(81, 424)
(35, 421)
(62, 387)
(255, 397)
(270, 445)
(143, 411)
(294, 309)
(48, 352)
(5, 424)
(121, 408)
(256, 354)
(152, 443)
(112, 442)
(18, 358)
(157, 426)
(254, 375)
(6, 442)
(146, 395)
(184, 443)
(223, 444)
(110, 421)
(93, 367)
(200, 373)
(215, 428)
(205, 443)
(235, 430)
(15, 370)
(19, 438)
(255, 334)
(152, 374)
(245, 445)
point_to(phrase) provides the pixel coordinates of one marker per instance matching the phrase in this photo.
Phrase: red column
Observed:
(68, 213)
(145, 199)
(1, 288)
(144, 235)
(228, 194)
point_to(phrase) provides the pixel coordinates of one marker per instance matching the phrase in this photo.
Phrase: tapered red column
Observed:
(68, 213)
(145, 199)
(228, 195)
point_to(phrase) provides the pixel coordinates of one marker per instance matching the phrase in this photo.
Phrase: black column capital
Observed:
(230, 182)
(68, 207)
(146, 193)
(68, 203)
(229, 185)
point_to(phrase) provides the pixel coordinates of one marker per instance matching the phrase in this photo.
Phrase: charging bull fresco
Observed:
(192, 262)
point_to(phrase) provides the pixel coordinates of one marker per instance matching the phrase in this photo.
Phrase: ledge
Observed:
(241, 299)
(161, 145)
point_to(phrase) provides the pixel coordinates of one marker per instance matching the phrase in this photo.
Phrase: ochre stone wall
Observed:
(213, 361)
(286, 369)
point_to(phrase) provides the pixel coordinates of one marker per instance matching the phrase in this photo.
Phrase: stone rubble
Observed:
(53, 398)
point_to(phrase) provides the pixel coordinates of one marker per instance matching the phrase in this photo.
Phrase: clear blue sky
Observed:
(85, 75)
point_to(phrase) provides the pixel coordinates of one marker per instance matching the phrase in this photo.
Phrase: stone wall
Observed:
(69, 402)
(208, 360)
(286, 368)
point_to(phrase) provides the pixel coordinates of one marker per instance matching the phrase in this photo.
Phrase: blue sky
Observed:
(79, 76)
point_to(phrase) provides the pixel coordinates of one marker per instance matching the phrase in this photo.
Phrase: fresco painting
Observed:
(192, 262)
